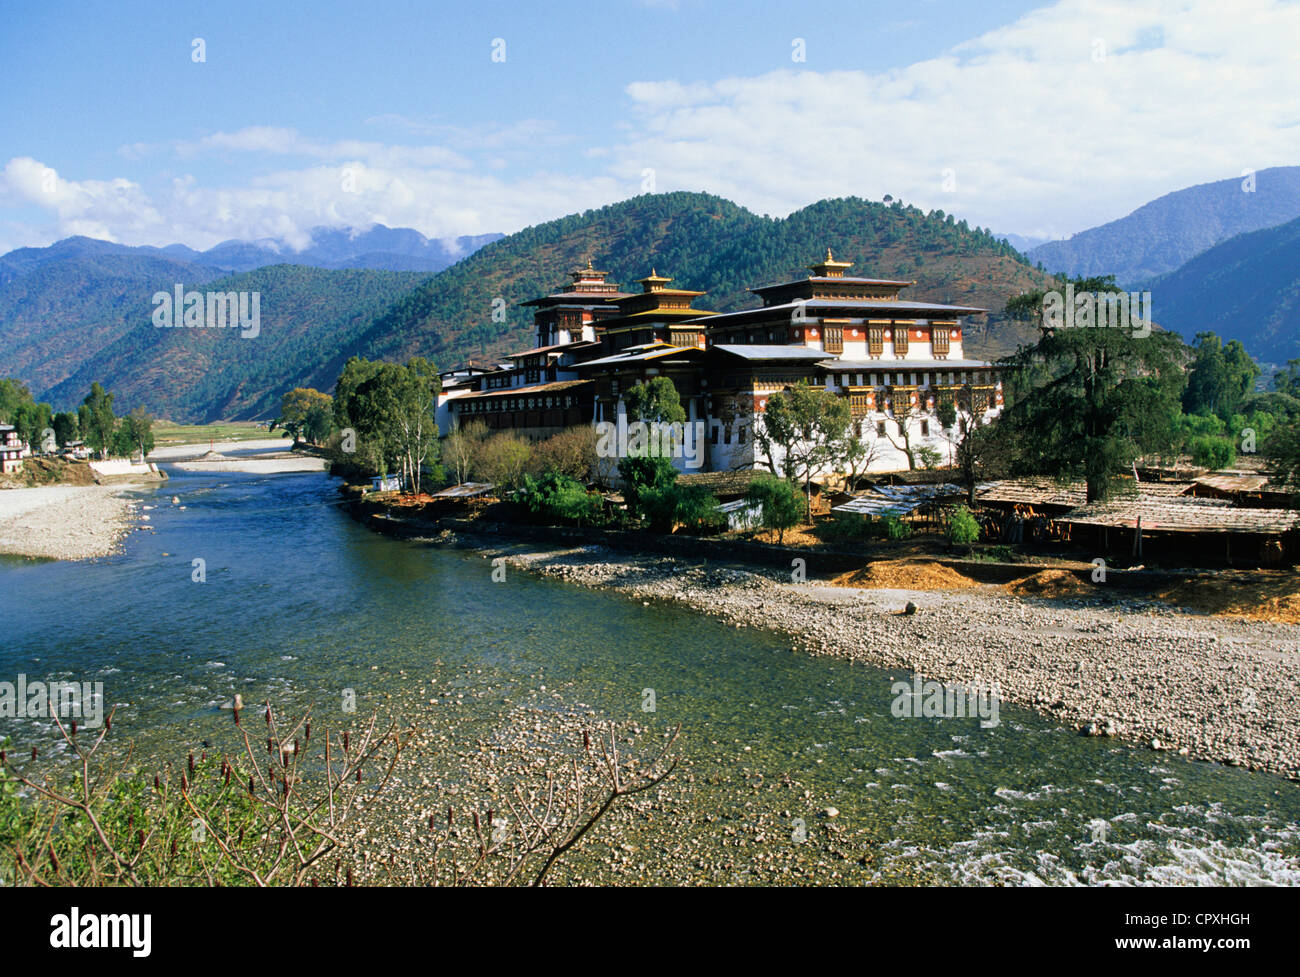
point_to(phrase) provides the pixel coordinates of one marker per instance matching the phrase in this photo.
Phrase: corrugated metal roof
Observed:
(541, 388)
(898, 500)
(653, 354)
(1234, 483)
(1183, 516)
(758, 352)
(465, 490)
(558, 347)
(898, 307)
(1070, 495)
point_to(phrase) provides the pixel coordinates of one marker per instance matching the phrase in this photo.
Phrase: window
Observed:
(714, 432)
(875, 340)
(925, 429)
(833, 339)
(900, 340)
(939, 339)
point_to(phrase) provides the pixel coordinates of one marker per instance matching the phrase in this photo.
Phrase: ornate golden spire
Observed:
(830, 268)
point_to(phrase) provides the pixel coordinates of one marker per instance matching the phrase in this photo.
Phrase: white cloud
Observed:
(1043, 135)
(287, 203)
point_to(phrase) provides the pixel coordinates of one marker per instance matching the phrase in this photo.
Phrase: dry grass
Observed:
(1049, 583)
(905, 575)
(1262, 596)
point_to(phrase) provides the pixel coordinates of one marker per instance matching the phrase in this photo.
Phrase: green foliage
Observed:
(306, 414)
(129, 807)
(1282, 453)
(1210, 451)
(1104, 398)
(895, 528)
(656, 400)
(644, 474)
(666, 505)
(314, 319)
(811, 426)
(17, 407)
(963, 530)
(843, 528)
(65, 428)
(555, 497)
(97, 421)
(697, 510)
(782, 503)
(504, 459)
(391, 409)
(1220, 378)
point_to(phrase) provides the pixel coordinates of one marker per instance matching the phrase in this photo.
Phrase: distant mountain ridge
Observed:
(380, 247)
(1164, 234)
(1247, 288)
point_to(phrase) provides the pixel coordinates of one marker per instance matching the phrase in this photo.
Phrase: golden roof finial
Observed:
(829, 267)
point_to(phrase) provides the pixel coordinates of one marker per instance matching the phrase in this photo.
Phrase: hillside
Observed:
(1246, 288)
(62, 305)
(199, 375)
(313, 319)
(704, 243)
(1164, 234)
(59, 305)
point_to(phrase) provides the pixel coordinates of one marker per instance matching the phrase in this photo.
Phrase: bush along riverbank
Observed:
(1110, 659)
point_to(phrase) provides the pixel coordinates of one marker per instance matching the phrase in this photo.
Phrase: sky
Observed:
(158, 123)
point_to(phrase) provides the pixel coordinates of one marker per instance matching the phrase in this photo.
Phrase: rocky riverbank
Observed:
(1110, 664)
(63, 522)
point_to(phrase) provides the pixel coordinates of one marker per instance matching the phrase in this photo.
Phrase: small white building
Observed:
(12, 450)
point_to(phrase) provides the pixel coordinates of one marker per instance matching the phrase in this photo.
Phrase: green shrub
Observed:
(558, 498)
(781, 501)
(1212, 451)
(963, 530)
(894, 528)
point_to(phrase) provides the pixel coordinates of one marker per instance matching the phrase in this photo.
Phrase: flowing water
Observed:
(300, 603)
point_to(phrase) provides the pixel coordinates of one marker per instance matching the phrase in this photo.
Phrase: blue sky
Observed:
(1032, 118)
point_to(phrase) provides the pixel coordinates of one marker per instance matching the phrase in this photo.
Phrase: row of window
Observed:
(903, 377)
(478, 406)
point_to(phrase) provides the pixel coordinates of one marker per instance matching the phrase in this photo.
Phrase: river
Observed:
(299, 602)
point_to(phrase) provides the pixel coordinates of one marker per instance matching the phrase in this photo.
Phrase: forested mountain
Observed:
(705, 243)
(1246, 288)
(1160, 236)
(312, 320)
(308, 315)
(64, 304)
(61, 304)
